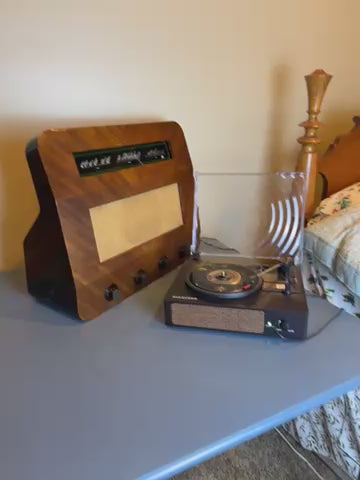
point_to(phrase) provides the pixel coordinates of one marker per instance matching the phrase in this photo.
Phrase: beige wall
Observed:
(229, 71)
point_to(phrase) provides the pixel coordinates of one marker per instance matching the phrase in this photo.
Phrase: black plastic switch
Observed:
(283, 324)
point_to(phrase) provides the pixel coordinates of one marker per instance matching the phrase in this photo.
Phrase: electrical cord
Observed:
(300, 455)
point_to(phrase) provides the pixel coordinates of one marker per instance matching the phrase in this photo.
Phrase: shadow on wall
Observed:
(278, 156)
(18, 202)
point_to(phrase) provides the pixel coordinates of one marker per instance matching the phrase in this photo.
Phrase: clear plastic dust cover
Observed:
(249, 215)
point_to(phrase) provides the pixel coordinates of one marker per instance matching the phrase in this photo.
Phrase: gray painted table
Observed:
(127, 397)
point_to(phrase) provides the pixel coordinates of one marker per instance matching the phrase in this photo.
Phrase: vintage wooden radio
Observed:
(116, 208)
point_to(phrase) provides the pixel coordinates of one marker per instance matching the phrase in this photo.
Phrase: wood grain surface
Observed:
(61, 256)
(341, 163)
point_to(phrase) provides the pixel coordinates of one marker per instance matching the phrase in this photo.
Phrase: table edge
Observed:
(201, 455)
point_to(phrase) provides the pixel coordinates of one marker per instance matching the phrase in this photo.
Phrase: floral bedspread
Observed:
(332, 430)
(332, 244)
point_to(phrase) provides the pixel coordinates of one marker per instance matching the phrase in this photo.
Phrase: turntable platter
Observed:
(225, 281)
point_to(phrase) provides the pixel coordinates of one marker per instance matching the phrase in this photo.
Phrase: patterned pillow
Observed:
(333, 236)
(347, 197)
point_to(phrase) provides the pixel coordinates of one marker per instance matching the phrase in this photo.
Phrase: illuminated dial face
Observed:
(112, 159)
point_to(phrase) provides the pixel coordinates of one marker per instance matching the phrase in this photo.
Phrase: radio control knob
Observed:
(112, 292)
(184, 251)
(141, 277)
(164, 262)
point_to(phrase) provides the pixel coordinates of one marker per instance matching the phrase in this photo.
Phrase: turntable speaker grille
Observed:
(232, 319)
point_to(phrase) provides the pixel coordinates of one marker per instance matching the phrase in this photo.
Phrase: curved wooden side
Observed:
(341, 163)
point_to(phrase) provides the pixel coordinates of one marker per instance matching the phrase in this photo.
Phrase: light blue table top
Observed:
(126, 397)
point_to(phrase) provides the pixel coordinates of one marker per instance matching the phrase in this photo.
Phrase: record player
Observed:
(243, 274)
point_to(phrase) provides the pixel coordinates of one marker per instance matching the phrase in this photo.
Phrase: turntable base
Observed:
(245, 302)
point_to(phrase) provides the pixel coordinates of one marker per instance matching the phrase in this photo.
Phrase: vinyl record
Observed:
(221, 280)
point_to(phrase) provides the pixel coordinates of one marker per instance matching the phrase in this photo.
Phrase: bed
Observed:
(331, 268)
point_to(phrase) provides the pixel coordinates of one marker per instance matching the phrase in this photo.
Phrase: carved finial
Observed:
(316, 83)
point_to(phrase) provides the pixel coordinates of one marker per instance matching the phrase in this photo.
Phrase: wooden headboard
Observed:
(340, 165)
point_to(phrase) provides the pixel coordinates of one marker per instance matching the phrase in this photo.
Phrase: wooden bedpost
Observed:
(316, 83)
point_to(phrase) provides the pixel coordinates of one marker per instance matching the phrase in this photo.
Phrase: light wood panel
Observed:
(124, 224)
